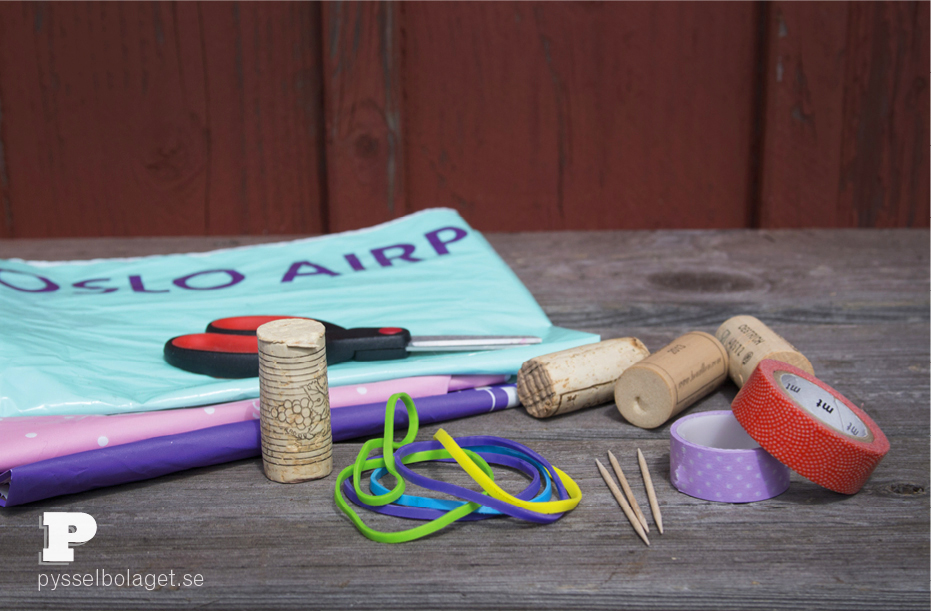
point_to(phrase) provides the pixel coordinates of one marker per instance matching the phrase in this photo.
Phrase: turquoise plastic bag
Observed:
(86, 337)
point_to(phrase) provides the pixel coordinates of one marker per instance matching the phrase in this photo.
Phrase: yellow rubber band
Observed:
(489, 486)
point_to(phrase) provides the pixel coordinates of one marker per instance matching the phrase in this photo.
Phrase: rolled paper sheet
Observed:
(748, 341)
(660, 386)
(295, 401)
(151, 458)
(366, 420)
(29, 439)
(462, 383)
(130, 462)
(580, 377)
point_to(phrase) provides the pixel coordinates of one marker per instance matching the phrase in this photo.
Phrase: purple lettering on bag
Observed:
(135, 282)
(86, 284)
(295, 270)
(385, 261)
(354, 262)
(235, 278)
(48, 288)
(439, 245)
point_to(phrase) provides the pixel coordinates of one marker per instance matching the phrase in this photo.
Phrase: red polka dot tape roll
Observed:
(809, 426)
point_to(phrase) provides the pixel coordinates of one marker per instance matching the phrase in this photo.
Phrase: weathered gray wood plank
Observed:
(855, 302)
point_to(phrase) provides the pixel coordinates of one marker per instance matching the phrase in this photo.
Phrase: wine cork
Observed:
(748, 341)
(566, 381)
(668, 381)
(295, 406)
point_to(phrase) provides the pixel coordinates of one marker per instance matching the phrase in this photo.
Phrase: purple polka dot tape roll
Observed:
(711, 457)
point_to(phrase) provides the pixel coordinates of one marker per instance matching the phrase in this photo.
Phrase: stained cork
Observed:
(748, 341)
(295, 407)
(570, 380)
(652, 391)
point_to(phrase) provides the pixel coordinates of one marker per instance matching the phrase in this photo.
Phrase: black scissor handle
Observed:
(215, 354)
(367, 344)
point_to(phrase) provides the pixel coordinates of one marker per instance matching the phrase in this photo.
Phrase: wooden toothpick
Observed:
(622, 502)
(651, 493)
(628, 491)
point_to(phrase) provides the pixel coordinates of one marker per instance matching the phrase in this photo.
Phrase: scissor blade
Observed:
(468, 343)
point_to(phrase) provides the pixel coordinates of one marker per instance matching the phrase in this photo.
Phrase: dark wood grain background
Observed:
(131, 119)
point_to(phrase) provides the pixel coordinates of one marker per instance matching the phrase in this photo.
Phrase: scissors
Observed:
(229, 348)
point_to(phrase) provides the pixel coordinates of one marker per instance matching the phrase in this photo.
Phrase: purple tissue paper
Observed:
(150, 458)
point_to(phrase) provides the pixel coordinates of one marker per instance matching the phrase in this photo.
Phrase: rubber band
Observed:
(428, 508)
(472, 495)
(388, 446)
(468, 454)
(443, 504)
(400, 536)
(505, 457)
(489, 486)
(480, 440)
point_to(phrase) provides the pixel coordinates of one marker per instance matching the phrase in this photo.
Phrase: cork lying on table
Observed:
(652, 391)
(566, 381)
(295, 408)
(748, 341)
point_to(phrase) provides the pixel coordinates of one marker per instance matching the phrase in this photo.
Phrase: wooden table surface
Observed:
(856, 303)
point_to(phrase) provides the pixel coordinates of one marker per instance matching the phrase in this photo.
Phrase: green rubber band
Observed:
(473, 464)
(386, 460)
(417, 532)
(388, 446)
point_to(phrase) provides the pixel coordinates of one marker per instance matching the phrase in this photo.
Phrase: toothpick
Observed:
(628, 491)
(622, 502)
(651, 493)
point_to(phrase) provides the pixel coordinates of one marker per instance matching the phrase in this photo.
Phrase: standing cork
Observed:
(295, 405)
(665, 383)
(748, 341)
(565, 381)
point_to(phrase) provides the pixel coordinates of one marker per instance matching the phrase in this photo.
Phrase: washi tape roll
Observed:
(712, 458)
(809, 426)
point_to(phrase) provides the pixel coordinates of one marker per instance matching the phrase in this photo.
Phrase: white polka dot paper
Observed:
(712, 458)
(29, 439)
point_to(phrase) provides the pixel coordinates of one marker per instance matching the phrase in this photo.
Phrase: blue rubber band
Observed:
(476, 497)
(423, 513)
(408, 500)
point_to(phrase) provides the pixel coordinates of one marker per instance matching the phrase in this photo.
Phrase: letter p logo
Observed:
(62, 530)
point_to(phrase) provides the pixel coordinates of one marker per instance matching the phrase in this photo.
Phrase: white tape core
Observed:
(822, 405)
(721, 431)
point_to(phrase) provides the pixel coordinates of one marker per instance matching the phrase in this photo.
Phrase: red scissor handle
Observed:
(217, 342)
(245, 325)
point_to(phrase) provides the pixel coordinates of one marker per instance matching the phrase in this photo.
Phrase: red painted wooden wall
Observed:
(247, 118)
